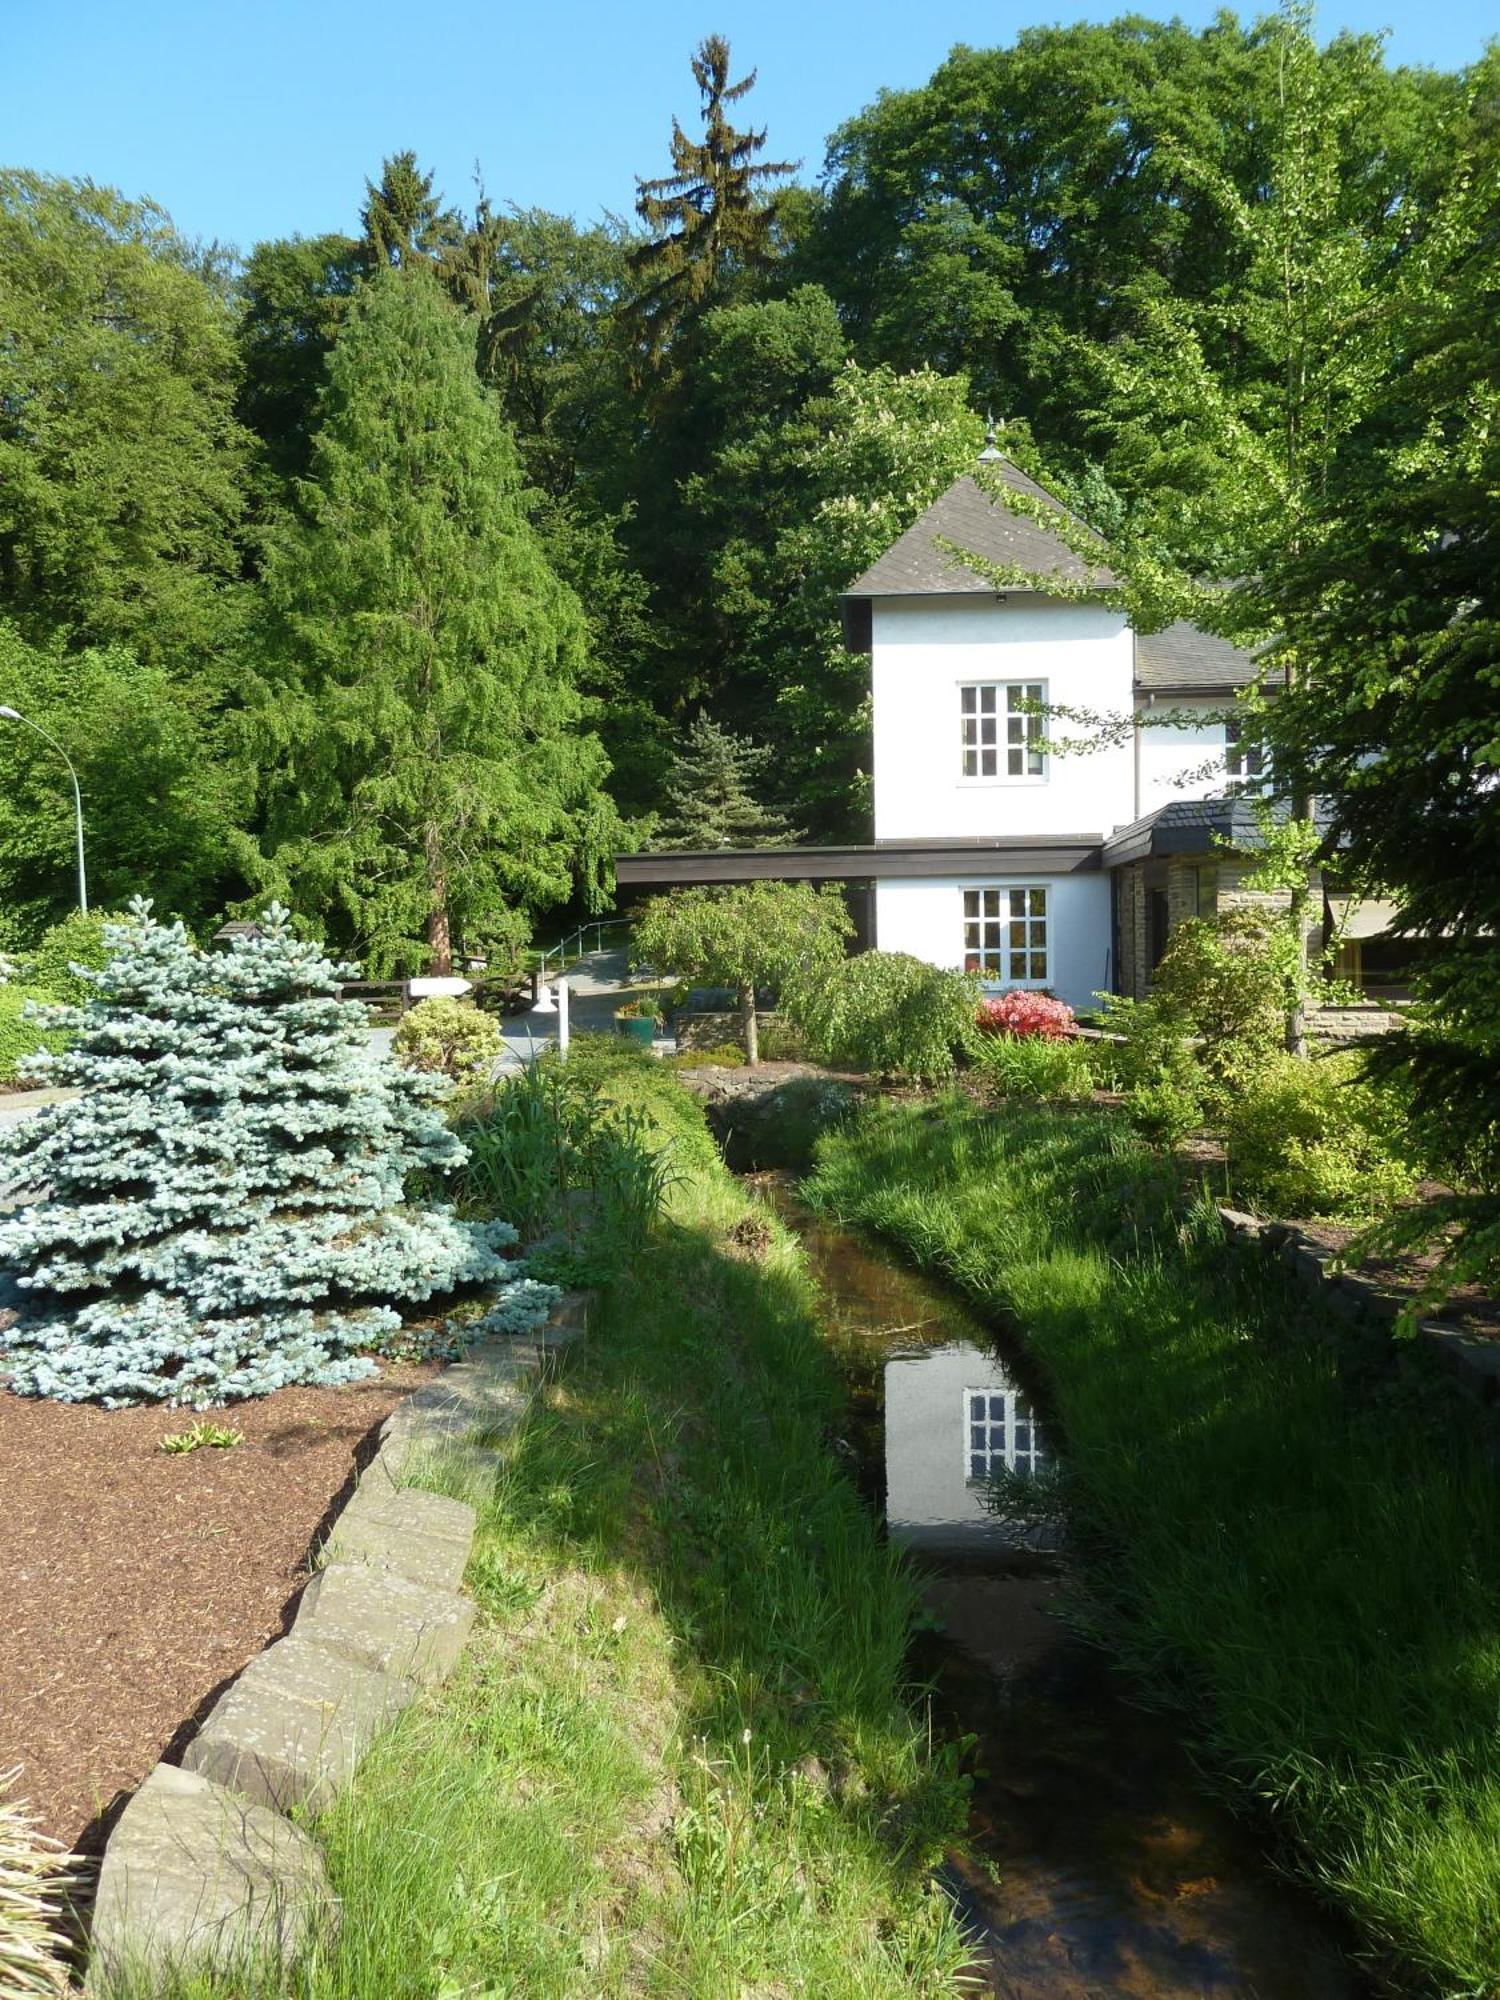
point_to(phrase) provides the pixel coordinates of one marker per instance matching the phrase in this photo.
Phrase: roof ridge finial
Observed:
(991, 450)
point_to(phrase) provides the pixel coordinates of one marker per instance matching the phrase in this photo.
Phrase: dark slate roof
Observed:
(1185, 660)
(1188, 826)
(916, 566)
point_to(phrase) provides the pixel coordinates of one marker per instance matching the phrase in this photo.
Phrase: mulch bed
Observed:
(138, 1582)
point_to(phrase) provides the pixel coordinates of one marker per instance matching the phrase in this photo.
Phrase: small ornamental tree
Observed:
(782, 934)
(222, 1211)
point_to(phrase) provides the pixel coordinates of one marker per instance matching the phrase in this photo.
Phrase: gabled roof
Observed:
(1183, 659)
(917, 566)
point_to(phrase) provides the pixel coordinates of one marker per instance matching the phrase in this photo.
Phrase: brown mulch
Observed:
(138, 1582)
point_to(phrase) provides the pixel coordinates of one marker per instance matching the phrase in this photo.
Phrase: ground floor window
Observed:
(1005, 935)
(1001, 1434)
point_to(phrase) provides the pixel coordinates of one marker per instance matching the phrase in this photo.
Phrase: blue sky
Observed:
(254, 120)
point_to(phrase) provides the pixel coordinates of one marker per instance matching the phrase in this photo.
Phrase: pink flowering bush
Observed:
(1024, 1014)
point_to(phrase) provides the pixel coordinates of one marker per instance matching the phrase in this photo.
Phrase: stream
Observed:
(1096, 1865)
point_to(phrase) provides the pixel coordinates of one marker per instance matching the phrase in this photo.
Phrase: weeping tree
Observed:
(424, 770)
(746, 935)
(222, 1209)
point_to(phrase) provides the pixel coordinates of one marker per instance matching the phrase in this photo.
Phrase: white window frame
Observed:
(1244, 766)
(1015, 732)
(1012, 1440)
(1004, 916)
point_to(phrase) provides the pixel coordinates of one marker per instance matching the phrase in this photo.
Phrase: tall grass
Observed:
(1304, 1553)
(679, 1758)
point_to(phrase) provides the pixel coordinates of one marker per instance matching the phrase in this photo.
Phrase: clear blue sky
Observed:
(256, 118)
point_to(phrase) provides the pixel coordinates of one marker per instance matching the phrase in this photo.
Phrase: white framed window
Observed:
(1000, 1433)
(1000, 727)
(1005, 936)
(1244, 763)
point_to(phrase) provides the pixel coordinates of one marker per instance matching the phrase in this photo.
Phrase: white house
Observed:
(1063, 869)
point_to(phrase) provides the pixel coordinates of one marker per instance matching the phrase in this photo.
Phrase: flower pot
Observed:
(636, 1028)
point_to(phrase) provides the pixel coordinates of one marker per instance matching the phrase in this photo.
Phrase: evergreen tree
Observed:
(403, 221)
(709, 219)
(222, 1210)
(710, 800)
(424, 771)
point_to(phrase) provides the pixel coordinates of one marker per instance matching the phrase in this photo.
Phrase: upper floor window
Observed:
(1005, 935)
(1001, 725)
(1244, 763)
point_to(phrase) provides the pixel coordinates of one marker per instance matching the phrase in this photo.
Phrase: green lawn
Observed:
(680, 1758)
(1306, 1557)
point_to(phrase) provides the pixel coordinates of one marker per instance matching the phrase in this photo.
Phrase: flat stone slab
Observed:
(385, 1621)
(438, 1561)
(293, 1727)
(194, 1875)
(1472, 1358)
(412, 1511)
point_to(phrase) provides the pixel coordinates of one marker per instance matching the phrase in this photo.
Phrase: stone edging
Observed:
(203, 1864)
(1473, 1360)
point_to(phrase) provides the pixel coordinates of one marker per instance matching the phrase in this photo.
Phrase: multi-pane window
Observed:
(1244, 763)
(1005, 935)
(1000, 1433)
(1001, 726)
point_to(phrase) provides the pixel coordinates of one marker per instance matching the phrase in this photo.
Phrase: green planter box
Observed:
(637, 1028)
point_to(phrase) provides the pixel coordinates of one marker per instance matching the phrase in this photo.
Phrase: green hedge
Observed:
(20, 1037)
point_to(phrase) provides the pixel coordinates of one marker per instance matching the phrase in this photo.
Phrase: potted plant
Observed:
(638, 1019)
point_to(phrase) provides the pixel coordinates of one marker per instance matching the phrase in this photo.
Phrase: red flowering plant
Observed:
(1023, 1014)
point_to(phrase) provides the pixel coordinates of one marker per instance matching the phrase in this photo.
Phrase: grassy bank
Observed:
(1308, 1560)
(678, 1758)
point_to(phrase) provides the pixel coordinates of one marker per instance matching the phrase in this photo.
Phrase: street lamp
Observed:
(14, 715)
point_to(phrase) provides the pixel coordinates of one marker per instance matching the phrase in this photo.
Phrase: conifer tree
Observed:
(710, 796)
(709, 218)
(404, 221)
(222, 1210)
(424, 771)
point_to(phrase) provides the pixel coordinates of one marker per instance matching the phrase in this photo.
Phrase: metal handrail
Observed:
(560, 951)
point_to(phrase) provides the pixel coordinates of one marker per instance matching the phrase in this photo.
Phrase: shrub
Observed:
(449, 1037)
(1152, 1065)
(1023, 1013)
(1033, 1065)
(1224, 978)
(68, 953)
(890, 1014)
(1312, 1137)
(223, 1210)
(724, 1055)
(22, 1035)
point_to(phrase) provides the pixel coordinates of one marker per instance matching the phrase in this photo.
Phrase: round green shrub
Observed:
(451, 1038)
(21, 1036)
(77, 941)
(891, 1015)
(1225, 978)
(1309, 1136)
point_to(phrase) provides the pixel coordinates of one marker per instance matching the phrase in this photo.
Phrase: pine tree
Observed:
(710, 798)
(404, 222)
(222, 1210)
(709, 219)
(424, 771)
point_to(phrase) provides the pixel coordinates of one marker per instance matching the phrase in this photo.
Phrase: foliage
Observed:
(1312, 1137)
(782, 934)
(68, 953)
(710, 801)
(1224, 979)
(449, 1037)
(1261, 1516)
(890, 1014)
(1023, 1013)
(418, 720)
(216, 1437)
(711, 223)
(641, 1007)
(222, 1210)
(723, 1055)
(1153, 1064)
(549, 1149)
(1034, 1066)
(36, 1879)
(24, 1032)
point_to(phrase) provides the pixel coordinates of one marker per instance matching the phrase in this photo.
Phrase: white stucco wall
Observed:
(925, 918)
(1173, 759)
(924, 649)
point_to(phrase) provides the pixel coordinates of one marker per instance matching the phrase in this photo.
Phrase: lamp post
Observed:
(14, 715)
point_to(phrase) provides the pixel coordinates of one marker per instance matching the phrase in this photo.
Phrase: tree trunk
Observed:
(439, 932)
(748, 1024)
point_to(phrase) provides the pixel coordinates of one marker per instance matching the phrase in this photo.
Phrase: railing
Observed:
(554, 961)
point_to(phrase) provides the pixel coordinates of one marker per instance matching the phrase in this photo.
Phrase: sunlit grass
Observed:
(1305, 1554)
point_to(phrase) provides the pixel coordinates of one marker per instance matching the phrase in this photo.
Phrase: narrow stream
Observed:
(1096, 1866)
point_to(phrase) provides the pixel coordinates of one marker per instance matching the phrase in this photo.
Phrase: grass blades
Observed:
(1304, 1552)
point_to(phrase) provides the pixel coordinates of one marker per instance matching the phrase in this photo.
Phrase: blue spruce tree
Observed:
(223, 1210)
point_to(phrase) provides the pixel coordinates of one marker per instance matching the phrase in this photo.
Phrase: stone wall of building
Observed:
(1195, 885)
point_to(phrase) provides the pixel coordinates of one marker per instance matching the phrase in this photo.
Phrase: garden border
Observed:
(203, 1863)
